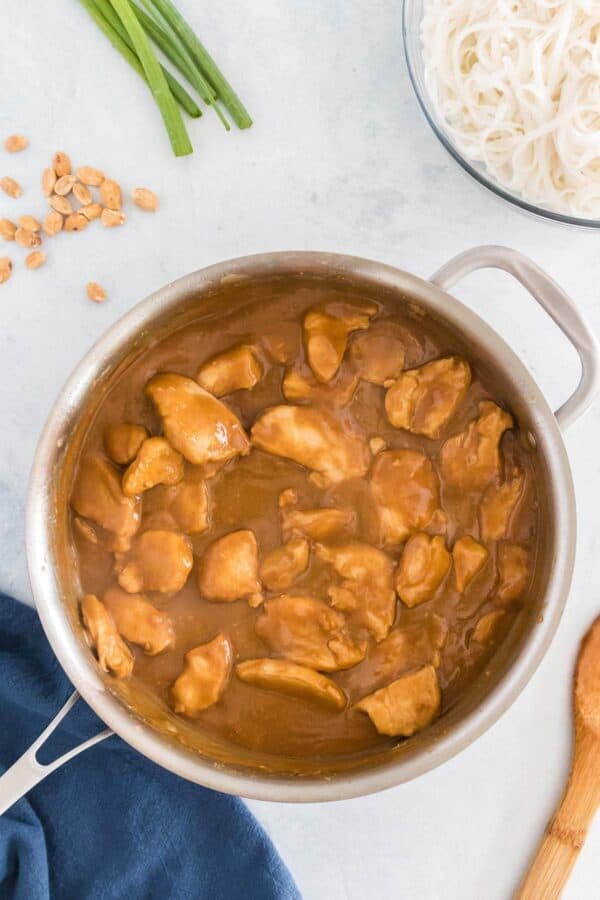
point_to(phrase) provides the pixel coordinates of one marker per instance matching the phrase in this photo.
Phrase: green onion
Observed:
(157, 82)
(209, 68)
(119, 42)
(171, 46)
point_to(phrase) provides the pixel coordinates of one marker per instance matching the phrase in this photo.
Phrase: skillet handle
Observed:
(556, 303)
(27, 771)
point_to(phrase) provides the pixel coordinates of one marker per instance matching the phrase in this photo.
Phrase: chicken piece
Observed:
(313, 438)
(204, 677)
(423, 400)
(423, 566)
(486, 626)
(201, 427)
(235, 370)
(228, 570)
(405, 706)
(406, 491)
(326, 331)
(497, 506)
(113, 653)
(97, 495)
(139, 621)
(86, 529)
(158, 560)
(188, 503)
(156, 463)
(309, 632)
(404, 649)
(469, 557)
(283, 565)
(319, 524)
(471, 459)
(286, 677)
(513, 567)
(123, 441)
(368, 586)
(378, 357)
(298, 388)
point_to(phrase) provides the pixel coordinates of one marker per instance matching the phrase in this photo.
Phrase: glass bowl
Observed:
(412, 15)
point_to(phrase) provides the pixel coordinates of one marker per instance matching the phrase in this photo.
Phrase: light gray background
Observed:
(339, 159)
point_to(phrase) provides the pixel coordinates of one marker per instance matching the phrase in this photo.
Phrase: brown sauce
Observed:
(244, 494)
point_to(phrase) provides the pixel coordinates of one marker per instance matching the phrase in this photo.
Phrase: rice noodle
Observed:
(517, 83)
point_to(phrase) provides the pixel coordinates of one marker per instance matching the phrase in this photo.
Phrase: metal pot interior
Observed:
(214, 293)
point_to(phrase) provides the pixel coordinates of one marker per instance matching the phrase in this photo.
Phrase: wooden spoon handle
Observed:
(566, 832)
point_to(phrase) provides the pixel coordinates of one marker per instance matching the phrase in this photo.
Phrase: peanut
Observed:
(96, 292)
(82, 193)
(145, 199)
(76, 222)
(29, 223)
(48, 181)
(53, 223)
(61, 163)
(14, 143)
(110, 194)
(62, 205)
(110, 218)
(64, 185)
(7, 229)
(88, 175)
(11, 187)
(26, 238)
(92, 211)
(35, 260)
(5, 269)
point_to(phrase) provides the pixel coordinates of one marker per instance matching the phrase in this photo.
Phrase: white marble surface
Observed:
(339, 159)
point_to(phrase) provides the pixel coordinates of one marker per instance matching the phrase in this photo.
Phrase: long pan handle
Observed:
(28, 771)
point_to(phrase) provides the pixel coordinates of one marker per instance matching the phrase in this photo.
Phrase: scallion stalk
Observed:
(157, 82)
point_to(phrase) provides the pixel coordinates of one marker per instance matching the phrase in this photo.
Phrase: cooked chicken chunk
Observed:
(283, 565)
(469, 557)
(406, 491)
(85, 529)
(368, 585)
(497, 506)
(486, 626)
(204, 677)
(156, 463)
(423, 566)
(298, 388)
(513, 567)
(287, 677)
(228, 570)
(157, 561)
(313, 438)
(377, 356)
(188, 503)
(123, 441)
(113, 653)
(405, 648)
(377, 444)
(97, 495)
(236, 369)
(406, 705)
(316, 524)
(423, 400)
(284, 343)
(471, 459)
(139, 621)
(201, 427)
(309, 632)
(326, 333)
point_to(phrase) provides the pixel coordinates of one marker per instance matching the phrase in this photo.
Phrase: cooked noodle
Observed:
(518, 85)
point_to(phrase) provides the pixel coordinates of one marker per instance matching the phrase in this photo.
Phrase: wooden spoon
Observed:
(566, 832)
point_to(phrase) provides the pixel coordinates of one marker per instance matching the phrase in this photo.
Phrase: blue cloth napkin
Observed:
(111, 824)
